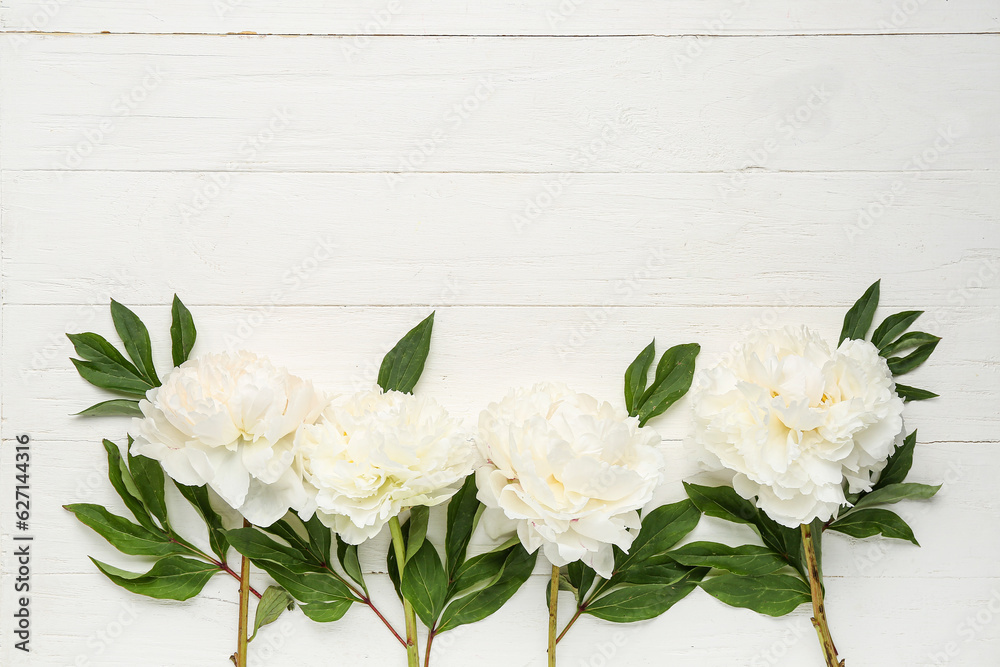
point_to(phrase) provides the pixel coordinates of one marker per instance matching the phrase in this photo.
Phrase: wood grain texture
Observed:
(613, 171)
(507, 17)
(135, 102)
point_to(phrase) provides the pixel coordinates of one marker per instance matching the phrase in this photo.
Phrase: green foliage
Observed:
(404, 363)
(673, 377)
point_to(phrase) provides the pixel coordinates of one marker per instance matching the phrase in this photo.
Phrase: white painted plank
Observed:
(507, 17)
(501, 104)
(453, 239)
(478, 353)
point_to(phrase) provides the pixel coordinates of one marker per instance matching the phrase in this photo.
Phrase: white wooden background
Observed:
(561, 181)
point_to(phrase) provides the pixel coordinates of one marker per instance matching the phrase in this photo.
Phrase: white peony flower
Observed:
(566, 472)
(794, 420)
(229, 421)
(374, 454)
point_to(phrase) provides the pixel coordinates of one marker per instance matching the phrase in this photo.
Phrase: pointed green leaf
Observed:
(869, 522)
(913, 394)
(674, 375)
(95, 348)
(283, 529)
(404, 363)
(462, 510)
(899, 463)
(785, 541)
(136, 339)
(274, 601)
(582, 578)
(478, 605)
(320, 538)
(170, 578)
(347, 554)
(893, 493)
(425, 583)
(908, 341)
(722, 502)
(912, 361)
(419, 516)
(894, 326)
(859, 318)
(111, 377)
(149, 480)
(644, 601)
(747, 560)
(127, 537)
(770, 594)
(121, 480)
(261, 549)
(182, 332)
(326, 612)
(666, 572)
(661, 529)
(119, 407)
(199, 499)
(635, 377)
(483, 569)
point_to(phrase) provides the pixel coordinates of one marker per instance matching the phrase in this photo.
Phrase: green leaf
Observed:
(274, 601)
(390, 558)
(121, 480)
(482, 569)
(858, 320)
(893, 326)
(461, 519)
(198, 497)
(899, 464)
(119, 407)
(913, 394)
(582, 579)
(136, 339)
(261, 549)
(481, 603)
(170, 578)
(404, 363)
(747, 560)
(347, 554)
(908, 341)
(419, 516)
(644, 601)
(666, 572)
(283, 529)
(912, 361)
(111, 377)
(320, 538)
(425, 583)
(785, 541)
(661, 529)
(326, 612)
(869, 522)
(893, 493)
(769, 594)
(148, 477)
(674, 375)
(635, 377)
(127, 537)
(182, 332)
(722, 502)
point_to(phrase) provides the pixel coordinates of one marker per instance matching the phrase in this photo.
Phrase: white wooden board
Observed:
(614, 171)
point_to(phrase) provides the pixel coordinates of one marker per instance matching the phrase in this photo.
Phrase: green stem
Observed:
(553, 615)
(819, 610)
(242, 641)
(412, 650)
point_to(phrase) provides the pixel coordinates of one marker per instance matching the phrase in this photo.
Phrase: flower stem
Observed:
(241, 645)
(819, 610)
(412, 650)
(430, 640)
(553, 615)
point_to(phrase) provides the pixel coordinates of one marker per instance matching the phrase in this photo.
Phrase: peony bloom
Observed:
(567, 472)
(229, 421)
(374, 454)
(794, 420)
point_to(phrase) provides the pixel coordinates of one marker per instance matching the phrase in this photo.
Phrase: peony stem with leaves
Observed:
(240, 659)
(819, 610)
(412, 650)
(553, 615)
